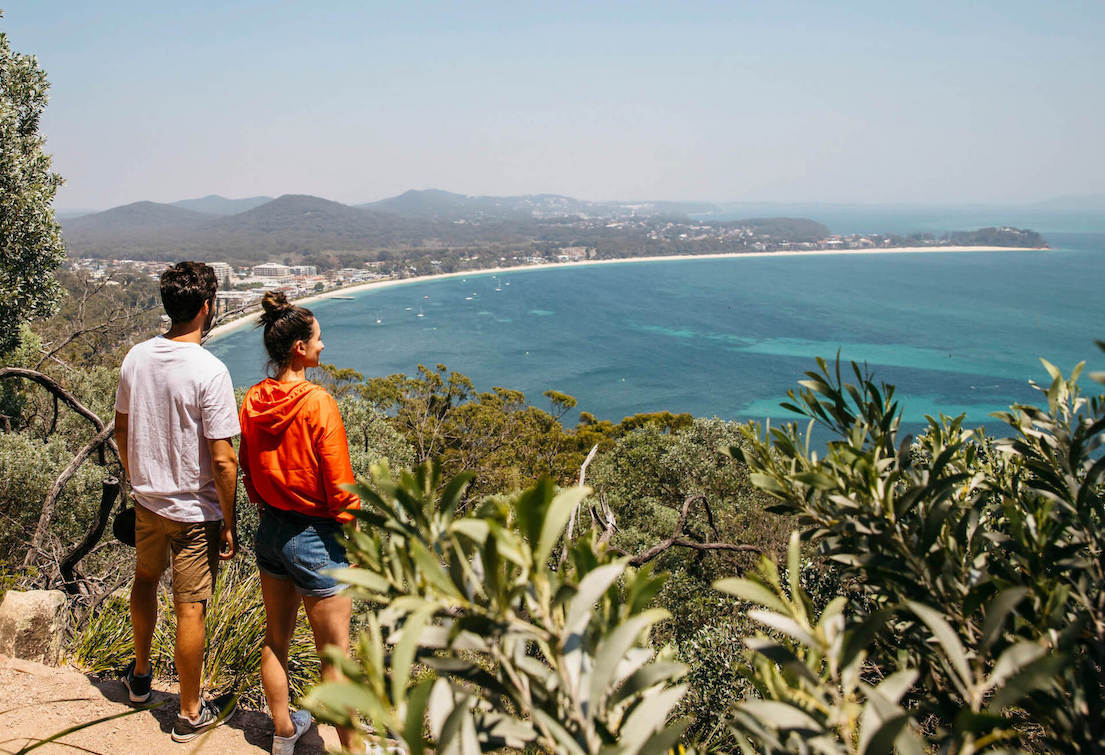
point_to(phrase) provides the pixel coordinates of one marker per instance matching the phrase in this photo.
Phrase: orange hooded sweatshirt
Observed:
(294, 451)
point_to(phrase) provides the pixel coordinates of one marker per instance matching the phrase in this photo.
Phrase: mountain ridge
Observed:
(216, 204)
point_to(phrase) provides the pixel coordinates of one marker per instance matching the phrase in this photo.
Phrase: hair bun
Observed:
(275, 304)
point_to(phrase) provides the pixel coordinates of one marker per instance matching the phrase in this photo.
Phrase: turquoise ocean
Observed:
(954, 332)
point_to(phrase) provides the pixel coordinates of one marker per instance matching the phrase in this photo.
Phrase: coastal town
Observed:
(241, 287)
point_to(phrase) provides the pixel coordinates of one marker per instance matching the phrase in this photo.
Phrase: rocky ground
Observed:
(37, 701)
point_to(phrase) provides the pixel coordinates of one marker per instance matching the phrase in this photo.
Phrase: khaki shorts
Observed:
(194, 549)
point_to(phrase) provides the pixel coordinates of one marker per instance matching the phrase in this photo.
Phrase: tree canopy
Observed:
(30, 237)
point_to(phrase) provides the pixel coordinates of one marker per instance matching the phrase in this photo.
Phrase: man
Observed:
(175, 417)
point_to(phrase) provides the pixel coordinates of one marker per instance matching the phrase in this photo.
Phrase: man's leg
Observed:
(189, 654)
(195, 549)
(281, 608)
(143, 619)
(152, 549)
(329, 618)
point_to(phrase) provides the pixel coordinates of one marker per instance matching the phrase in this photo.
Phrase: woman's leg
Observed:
(281, 607)
(329, 619)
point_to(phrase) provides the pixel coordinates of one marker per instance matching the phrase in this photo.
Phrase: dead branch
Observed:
(679, 537)
(609, 524)
(50, 503)
(224, 317)
(582, 475)
(66, 397)
(119, 315)
(99, 597)
(55, 388)
(109, 493)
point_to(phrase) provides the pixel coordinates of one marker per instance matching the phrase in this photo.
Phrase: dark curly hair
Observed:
(185, 287)
(284, 323)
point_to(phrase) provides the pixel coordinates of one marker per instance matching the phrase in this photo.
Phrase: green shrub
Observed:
(808, 670)
(28, 468)
(978, 562)
(520, 654)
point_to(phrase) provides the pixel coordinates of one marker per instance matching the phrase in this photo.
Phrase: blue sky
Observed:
(741, 101)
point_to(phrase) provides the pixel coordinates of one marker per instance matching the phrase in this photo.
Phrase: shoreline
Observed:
(250, 318)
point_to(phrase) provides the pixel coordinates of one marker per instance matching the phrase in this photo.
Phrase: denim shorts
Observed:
(298, 547)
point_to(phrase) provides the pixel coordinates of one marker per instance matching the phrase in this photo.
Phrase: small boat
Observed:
(378, 319)
(408, 308)
(420, 311)
(468, 298)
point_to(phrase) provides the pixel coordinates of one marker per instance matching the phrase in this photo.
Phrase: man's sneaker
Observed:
(138, 685)
(301, 720)
(212, 713)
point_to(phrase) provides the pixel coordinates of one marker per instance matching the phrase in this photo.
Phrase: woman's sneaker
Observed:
(301, 720)
(138, 685)
(212, 713)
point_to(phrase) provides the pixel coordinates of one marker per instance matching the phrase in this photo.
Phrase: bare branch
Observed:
(50, 503)
(672, 542)
(582, 475)
(55, 388)
(54, 421)
(679, 537)
(117, 315)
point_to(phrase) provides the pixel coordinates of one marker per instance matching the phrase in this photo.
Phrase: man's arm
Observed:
(224, 468)
(121, 425)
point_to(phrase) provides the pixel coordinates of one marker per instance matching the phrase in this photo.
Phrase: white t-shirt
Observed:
(176, 396)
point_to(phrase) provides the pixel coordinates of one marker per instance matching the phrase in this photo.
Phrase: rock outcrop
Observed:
(32, 625)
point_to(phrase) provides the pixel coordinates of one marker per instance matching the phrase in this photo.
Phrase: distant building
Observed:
(572, 253)
(274, 282)
(303, 270)
(222, 271)
(272, 270)
(226, 301)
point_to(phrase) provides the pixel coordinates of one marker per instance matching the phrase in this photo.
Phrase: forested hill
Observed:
(446, 205)
(451, 229)
(998, 237)
(414, 224)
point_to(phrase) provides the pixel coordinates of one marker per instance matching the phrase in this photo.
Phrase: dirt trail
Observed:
(36, 701)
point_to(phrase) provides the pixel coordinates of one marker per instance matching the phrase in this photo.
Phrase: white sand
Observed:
(250, 318)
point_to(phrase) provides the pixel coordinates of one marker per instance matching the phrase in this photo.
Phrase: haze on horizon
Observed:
(934, 102)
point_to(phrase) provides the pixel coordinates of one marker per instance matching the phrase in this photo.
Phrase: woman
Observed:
(295, 457)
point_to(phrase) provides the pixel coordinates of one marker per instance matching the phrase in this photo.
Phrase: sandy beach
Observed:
(251, 319)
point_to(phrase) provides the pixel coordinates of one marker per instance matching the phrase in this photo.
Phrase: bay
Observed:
(955, 332)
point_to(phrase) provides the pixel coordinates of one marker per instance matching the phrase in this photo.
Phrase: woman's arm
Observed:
(243, 464)
(335, 469)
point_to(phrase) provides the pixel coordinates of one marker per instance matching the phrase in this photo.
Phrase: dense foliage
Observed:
(523, 653)
(977, 563)
(30, 239)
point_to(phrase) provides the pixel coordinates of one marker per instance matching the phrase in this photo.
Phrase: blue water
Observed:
(954, 332)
